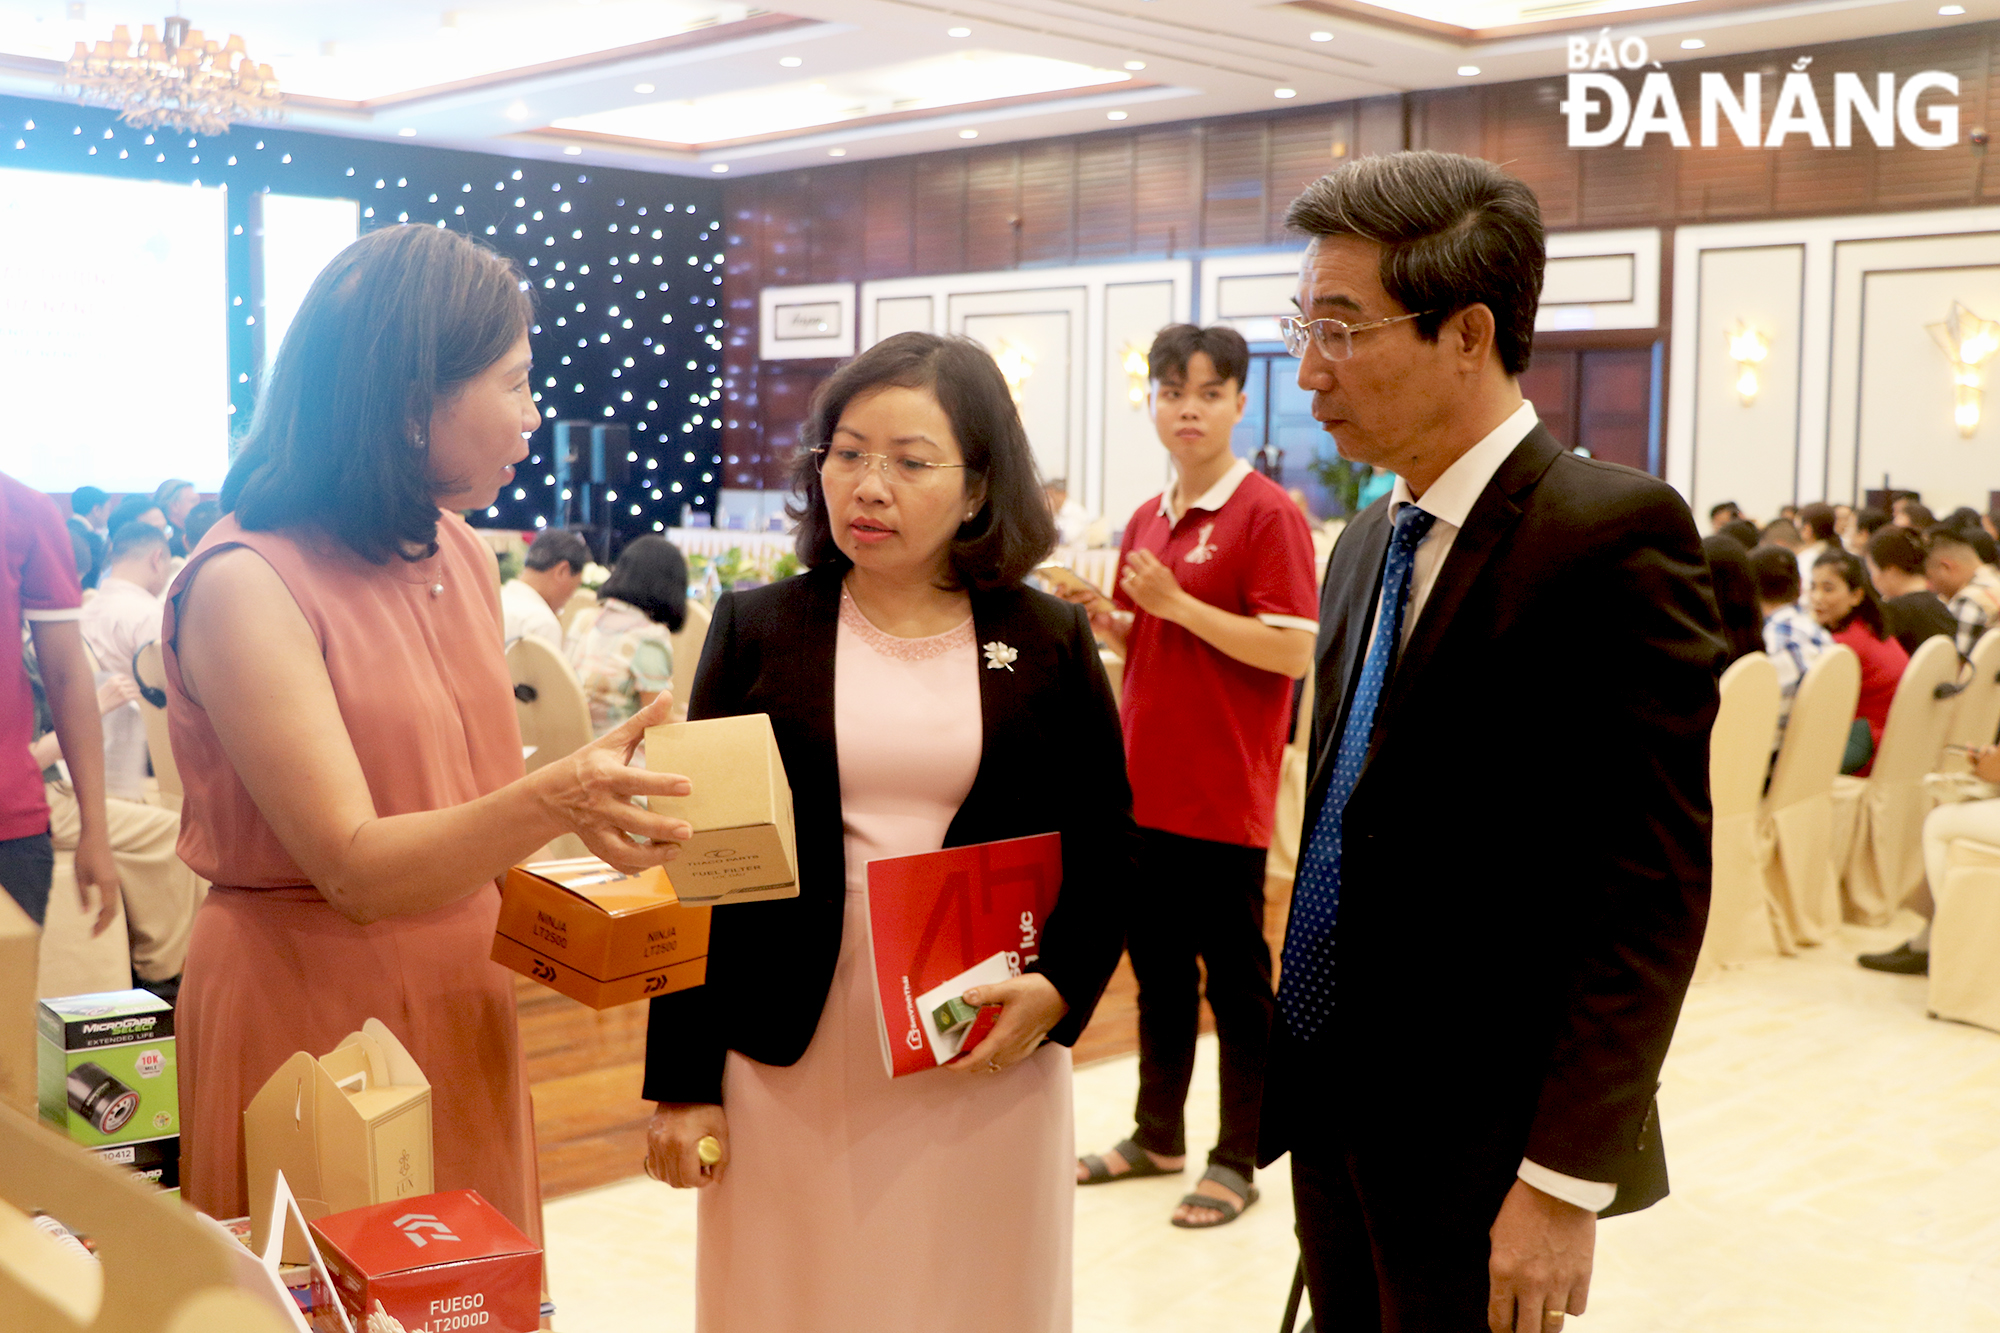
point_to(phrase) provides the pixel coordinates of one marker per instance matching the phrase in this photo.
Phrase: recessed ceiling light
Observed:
(968, 134)
(1135, 65)
(1467, 71)
(719, 168)
(517, 110)
(1284, 92)
(790, 62)
(1321, 36)
(1114, 115)
(1692, 43)
(642, 87)
(1951, 11)
(836, 152)
(573, 151)
(815, 87)
(407, 132)
(958, 32)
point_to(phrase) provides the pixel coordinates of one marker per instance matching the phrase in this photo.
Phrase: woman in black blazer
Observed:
(921, 696)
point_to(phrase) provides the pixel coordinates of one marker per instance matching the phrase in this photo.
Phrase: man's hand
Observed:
(1151, 585)
(116, 692)
(97, 879)
(1540, 1268)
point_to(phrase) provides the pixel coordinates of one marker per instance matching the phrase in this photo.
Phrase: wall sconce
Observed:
(1016, 363)
(1747, 348)
(1968, 342)
(1137, 377)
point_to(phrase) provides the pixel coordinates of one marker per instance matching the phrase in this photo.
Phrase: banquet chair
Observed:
(1976, 719)
(1289, 817)
(1878, 821)
(1965, 936)
(1795, 826)
(1114, 671)
(1741, 920)
(688, 641)
(583, 599)
(555, 720)
(150, 669)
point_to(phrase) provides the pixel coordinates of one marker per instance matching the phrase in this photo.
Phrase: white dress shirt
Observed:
(117, 623)
(1449, 501)
(524, 611)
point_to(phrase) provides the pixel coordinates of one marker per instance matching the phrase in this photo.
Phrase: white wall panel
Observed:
(1747, 453)
(1135, 463)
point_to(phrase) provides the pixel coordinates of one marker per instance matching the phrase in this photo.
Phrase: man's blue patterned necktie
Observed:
(1305, 989)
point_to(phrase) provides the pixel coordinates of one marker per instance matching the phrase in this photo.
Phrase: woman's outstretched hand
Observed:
(590, 794)
(1029, 1007)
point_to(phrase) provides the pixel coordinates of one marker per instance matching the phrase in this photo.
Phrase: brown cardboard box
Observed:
(744, 849)
(20, 943)
(602, 938)
(349, 1129)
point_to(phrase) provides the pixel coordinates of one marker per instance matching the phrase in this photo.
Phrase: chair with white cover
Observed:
(583, 599)
(688, 641)
(1965, 936)
(153, 675)
(1879, 820)
(1976, 720)
(1741, 918)
(555, 719)
(1795, 831)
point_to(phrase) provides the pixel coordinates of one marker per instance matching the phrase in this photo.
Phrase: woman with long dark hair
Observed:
(845, 1202)
(344, 725)
(1844, 602)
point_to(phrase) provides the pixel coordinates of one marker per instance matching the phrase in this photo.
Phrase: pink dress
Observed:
(936, 1203)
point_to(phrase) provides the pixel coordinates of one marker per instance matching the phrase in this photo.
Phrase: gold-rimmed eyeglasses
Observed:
(845, 464)
(1333, 337)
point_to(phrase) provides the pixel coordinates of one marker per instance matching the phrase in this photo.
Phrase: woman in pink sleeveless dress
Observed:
(344, 727)
(921, 698)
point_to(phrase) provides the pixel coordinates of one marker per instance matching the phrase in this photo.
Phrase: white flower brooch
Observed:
(999, 655)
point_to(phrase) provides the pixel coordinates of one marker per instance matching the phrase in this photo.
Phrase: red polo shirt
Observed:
(1205, 733)
(38, 582)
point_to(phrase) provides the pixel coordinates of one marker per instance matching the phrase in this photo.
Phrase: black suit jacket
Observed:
(1525, 855)
(1052, 760)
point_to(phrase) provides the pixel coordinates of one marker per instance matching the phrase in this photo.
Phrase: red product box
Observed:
(439, 1263)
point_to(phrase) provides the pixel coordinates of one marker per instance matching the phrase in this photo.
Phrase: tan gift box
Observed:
(598, 936)
(744, 849)
(349, 1129)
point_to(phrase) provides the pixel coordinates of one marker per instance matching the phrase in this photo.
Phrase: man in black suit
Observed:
(1504, 874)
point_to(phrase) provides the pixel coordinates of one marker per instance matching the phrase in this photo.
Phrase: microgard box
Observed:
(105, 1067)
(598, 936)
(744, 848)
(438, 1263)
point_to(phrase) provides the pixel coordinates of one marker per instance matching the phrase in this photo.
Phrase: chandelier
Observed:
(180, 80)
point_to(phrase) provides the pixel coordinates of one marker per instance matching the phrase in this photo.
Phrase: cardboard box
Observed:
(156, 1161)
(438, 1263)
(349, 1129)
(597, 936)
(20, 953)
(105, 1067)
(744, 849)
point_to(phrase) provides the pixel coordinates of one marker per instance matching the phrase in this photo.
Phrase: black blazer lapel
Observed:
(1353, 586)
(998, 618)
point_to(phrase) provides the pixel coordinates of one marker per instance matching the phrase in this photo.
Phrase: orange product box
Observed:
(599, 936)
(437, 1263)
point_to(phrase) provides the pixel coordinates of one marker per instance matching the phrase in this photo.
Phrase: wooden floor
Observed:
(585, 1068)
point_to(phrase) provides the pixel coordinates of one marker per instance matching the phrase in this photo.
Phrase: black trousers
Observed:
(27, 866)
(1200, 900)
(1395, 1241)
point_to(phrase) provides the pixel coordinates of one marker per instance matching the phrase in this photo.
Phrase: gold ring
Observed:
(1554, 1317)
(650, 1171)
(708, 1149)
(992, 1066)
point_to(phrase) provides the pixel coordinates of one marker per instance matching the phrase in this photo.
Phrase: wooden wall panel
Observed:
(1235, 166)
(839, 222)
(1104, 197)
(1048, 201)
(937, 216)
(1301, 150)
(992, 209)
(889, 250)
(1165, 191)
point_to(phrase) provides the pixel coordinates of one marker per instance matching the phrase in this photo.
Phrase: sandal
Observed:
(1230, 1180)
(1139, 1165)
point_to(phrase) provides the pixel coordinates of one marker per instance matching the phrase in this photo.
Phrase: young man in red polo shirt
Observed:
(1216, 610)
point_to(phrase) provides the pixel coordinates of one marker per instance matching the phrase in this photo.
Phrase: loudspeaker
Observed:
(610, 443)
(571, 450)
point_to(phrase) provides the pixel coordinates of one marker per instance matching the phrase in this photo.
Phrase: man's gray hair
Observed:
(1454, 231)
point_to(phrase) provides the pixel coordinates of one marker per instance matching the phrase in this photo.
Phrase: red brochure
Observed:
(942, 922)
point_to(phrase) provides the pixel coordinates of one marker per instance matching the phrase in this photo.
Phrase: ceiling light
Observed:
(790, 62)
(958, 32)
(1284, 92)
(1321, 36)
(815, 87)
(517, 110)
(1692, 43)
(1467, 71)
(836, 152)
(642, 87)
(1951, 11)
(1114, 115)
(407, 132)
(1135, 65)
(719, 168)
(573, 151)
(968, 134)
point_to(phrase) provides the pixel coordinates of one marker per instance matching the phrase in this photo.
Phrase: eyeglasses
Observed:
(1333, 337)
(844, 464)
